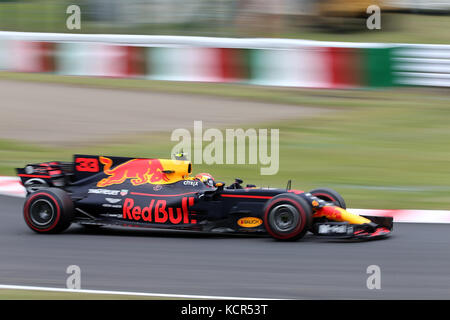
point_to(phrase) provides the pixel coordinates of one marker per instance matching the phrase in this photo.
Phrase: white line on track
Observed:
(127, 293)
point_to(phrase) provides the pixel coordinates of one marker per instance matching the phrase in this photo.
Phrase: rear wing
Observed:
(44, 175)
(58, 174)
(85, 167)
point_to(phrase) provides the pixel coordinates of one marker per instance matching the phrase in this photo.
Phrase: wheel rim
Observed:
(285, 218)
(41, 212)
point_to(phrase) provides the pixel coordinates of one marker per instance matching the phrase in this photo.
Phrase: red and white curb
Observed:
(11, 186)
(412, 216)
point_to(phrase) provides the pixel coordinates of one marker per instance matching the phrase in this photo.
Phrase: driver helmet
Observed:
(206, 178)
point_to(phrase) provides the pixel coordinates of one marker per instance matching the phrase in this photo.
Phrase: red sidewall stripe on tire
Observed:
(296, 231)
(324, 195)
(26, 212)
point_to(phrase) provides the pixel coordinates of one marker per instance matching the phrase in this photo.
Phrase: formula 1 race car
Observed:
(156, 193)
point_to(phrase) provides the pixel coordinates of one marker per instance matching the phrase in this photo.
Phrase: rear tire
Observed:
(287, 217)
(48, 211)
(329, 195)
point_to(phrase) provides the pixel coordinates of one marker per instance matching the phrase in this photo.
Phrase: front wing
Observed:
(379, 227)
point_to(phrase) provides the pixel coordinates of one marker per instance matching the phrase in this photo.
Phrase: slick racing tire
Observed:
(329, 195)
(48, 211)
(287, 217)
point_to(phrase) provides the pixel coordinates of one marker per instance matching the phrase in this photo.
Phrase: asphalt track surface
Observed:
(414, 262)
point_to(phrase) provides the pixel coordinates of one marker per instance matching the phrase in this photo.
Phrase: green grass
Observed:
(33, 15)
(379, 148)
(395, 28)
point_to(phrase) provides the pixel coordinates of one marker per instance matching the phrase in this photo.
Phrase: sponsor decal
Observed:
(249, 222)
(106, 192)
(87, 165)
(112, 215)
(123, 193)
(192, 183)
(113, 200)
(157, 211)
(333, 229)
(158, 187)
(29, 170)
(108, 205)
(138, 171)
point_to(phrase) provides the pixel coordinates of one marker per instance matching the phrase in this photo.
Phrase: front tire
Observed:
(329, 195)
(48, 211)
(287, 217)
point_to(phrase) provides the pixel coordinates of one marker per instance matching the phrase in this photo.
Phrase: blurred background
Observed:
(370, 112)
(230, 18)
(365, 112)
